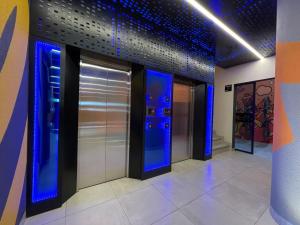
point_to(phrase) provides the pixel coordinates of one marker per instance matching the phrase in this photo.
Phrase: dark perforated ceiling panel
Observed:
(254, 20)
(131, 31)
(168, 35)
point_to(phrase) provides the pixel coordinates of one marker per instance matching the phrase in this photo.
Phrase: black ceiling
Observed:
(254, 20)
(156, 29)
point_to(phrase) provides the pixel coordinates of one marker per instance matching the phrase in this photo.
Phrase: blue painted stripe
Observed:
(12, 141)
(22, 205)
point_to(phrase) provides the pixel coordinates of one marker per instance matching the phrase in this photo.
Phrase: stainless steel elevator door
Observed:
(103, 124)
(181, 129)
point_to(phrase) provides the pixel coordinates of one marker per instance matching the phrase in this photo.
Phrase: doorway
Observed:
(104, 104)
(182, 122)
(253, 117)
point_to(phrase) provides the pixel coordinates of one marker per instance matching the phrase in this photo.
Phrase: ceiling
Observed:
(254, 20)
(168, 35)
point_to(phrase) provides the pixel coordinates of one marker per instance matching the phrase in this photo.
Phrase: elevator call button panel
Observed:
(151, 112)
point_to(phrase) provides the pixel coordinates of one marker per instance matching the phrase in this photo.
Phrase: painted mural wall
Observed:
(14, 29)
(285, 197)
(223, 108)
(264, 111)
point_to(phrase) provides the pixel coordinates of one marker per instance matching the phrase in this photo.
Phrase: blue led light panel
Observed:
(209, 120)
(158, 120)
(45, 122)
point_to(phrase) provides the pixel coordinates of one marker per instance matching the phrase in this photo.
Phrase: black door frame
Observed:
(253, 116)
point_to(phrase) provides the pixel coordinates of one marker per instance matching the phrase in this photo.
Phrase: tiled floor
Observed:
(231, 189)
(263, 150)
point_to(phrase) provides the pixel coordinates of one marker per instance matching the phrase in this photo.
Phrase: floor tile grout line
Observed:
(130, 192)
(187, 218)
(190, 168)
(232, 209)
(268, 208)
(98, 204)
(124, 211)
(90, 207)
(173, 203)
(168, 214)
(227, 206)
(255, 195)
(198, 197)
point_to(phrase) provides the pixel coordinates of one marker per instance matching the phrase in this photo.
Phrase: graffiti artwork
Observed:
(264, 111)
(258, 108)
(244, 111)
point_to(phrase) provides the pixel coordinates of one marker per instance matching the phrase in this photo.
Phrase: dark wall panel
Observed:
(199, 122)
(113, 29)
(69, 121)
(137, 121)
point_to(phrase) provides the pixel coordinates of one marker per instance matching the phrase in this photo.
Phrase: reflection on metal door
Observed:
(181, 130)
(103, 124)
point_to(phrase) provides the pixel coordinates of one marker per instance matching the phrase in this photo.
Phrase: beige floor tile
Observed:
(146, 206)
(174, 219)
(108, 213)
(247, 205)
(252, 186)
(47, 217)
(177, 190)
(207, 211)
(89, 197)
(127, 185)
(266, 219)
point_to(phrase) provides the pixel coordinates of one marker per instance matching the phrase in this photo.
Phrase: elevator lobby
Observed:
(149, 112)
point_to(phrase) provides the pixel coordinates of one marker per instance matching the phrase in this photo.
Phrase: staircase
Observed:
(219, 145)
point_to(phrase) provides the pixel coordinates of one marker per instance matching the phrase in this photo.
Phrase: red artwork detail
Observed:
(264, 111)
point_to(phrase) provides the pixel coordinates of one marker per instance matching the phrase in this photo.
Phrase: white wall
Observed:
(223, 108)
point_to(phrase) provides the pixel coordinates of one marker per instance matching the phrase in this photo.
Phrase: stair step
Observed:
(218, 141)
(221, 150)
(216, 138)
(220, 145)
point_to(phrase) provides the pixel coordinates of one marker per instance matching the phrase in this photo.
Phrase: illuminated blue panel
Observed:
(209, 120)
(158, 120)
(45, 122)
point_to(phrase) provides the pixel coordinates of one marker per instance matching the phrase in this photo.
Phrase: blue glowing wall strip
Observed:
(209, 120)
(38, 195)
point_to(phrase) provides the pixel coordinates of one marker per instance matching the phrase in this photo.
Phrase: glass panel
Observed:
(158, 120)
(264, 116)
(46, 121)
(244, 113)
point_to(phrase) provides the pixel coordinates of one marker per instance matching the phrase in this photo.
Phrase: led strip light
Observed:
(102, 68)
(223, 26)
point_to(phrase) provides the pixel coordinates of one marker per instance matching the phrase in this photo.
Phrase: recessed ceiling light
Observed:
(223, 26)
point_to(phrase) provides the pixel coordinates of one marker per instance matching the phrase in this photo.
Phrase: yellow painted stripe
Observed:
(13, 68)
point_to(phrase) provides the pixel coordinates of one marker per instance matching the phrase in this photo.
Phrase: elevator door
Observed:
(103, 124)
(182, 99)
